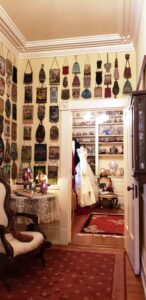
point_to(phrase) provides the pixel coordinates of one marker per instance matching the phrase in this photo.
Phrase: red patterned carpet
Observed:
(69, 274)
(104, 224)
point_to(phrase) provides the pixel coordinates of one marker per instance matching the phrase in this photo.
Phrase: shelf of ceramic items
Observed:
(109, 155)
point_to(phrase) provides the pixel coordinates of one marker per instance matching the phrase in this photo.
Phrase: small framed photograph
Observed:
(14, 131)
(53, 152)
(40, 152)
(14, 92)
(14, 111)
(28, 114)
(7, 128)
(52, 174)
(41, 95)
(54, 114)
(76, 93)
(26, 154)
(27, 133)
(54, 94)
(36, 169)
(54, 77)
(28, 94)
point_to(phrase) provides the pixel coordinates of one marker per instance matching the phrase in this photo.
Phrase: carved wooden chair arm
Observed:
(6, 245)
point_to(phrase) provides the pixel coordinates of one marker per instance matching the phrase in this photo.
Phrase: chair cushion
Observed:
(23, 247)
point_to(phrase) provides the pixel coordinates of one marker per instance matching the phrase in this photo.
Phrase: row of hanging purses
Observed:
(98, 91)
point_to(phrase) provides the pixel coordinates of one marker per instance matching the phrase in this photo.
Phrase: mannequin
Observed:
(85, 182)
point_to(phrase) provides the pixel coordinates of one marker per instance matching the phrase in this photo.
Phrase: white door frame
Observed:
(65, 176)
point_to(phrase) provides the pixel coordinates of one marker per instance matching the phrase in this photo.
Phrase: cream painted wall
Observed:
(63, 236)
(36, 65)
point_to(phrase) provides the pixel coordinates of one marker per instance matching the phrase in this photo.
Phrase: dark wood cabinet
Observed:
(139, 135)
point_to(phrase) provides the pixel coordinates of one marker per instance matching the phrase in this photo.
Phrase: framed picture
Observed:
(54, 133)
(26, 154)
(14, 111)
(54, 76)
(36, 169)
(27, 133)
(2, 86)
(28, 114)
(1, 105)
(41, 95)
(14, 92)
(52, 174)
(40, 152)
(28, 94)
(14, 131)
(54, 113)
(7, 128)
(53, 152)
(76, 93)
(53, 94)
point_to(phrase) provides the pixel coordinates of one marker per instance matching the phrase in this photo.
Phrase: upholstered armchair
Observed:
(14, 244)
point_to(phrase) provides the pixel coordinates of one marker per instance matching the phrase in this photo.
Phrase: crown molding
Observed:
(68, 46)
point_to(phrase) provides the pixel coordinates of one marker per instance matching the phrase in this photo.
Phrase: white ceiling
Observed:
(47, 25)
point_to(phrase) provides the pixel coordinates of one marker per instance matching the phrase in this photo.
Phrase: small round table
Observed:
(113, 198)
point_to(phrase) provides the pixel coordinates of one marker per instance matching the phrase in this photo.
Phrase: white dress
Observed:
(85, 181)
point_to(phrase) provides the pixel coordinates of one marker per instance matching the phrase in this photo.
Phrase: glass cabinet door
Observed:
(139, 133)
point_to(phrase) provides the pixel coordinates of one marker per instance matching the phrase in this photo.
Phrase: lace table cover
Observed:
(46, 207)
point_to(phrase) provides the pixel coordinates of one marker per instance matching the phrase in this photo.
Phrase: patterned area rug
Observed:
(69, 274)
(109, 224)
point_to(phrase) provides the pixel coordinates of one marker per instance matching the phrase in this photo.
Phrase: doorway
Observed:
(66, 111)
(100, 132)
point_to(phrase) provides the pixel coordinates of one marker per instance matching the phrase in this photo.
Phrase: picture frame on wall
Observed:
(54, 77)
(54, 152)
(14, 111)
(40, 152)
(52, 174)
(53, 94)
(14, 131)
(41, 95)
(26, 154)
(14, 92)
(28, 94)
(54, 114)
(36, 169)
(27, 133)
(28, 114)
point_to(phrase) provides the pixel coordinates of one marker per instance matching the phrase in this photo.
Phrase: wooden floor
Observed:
(133, 283)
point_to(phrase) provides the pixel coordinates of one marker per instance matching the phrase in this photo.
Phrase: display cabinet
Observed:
(84, 131)
(139, 135)
(110, 143)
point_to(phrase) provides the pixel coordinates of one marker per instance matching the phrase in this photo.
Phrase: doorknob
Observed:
(129, 188)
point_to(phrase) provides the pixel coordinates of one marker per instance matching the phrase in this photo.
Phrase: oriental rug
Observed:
(109, 224)
(69, 274)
